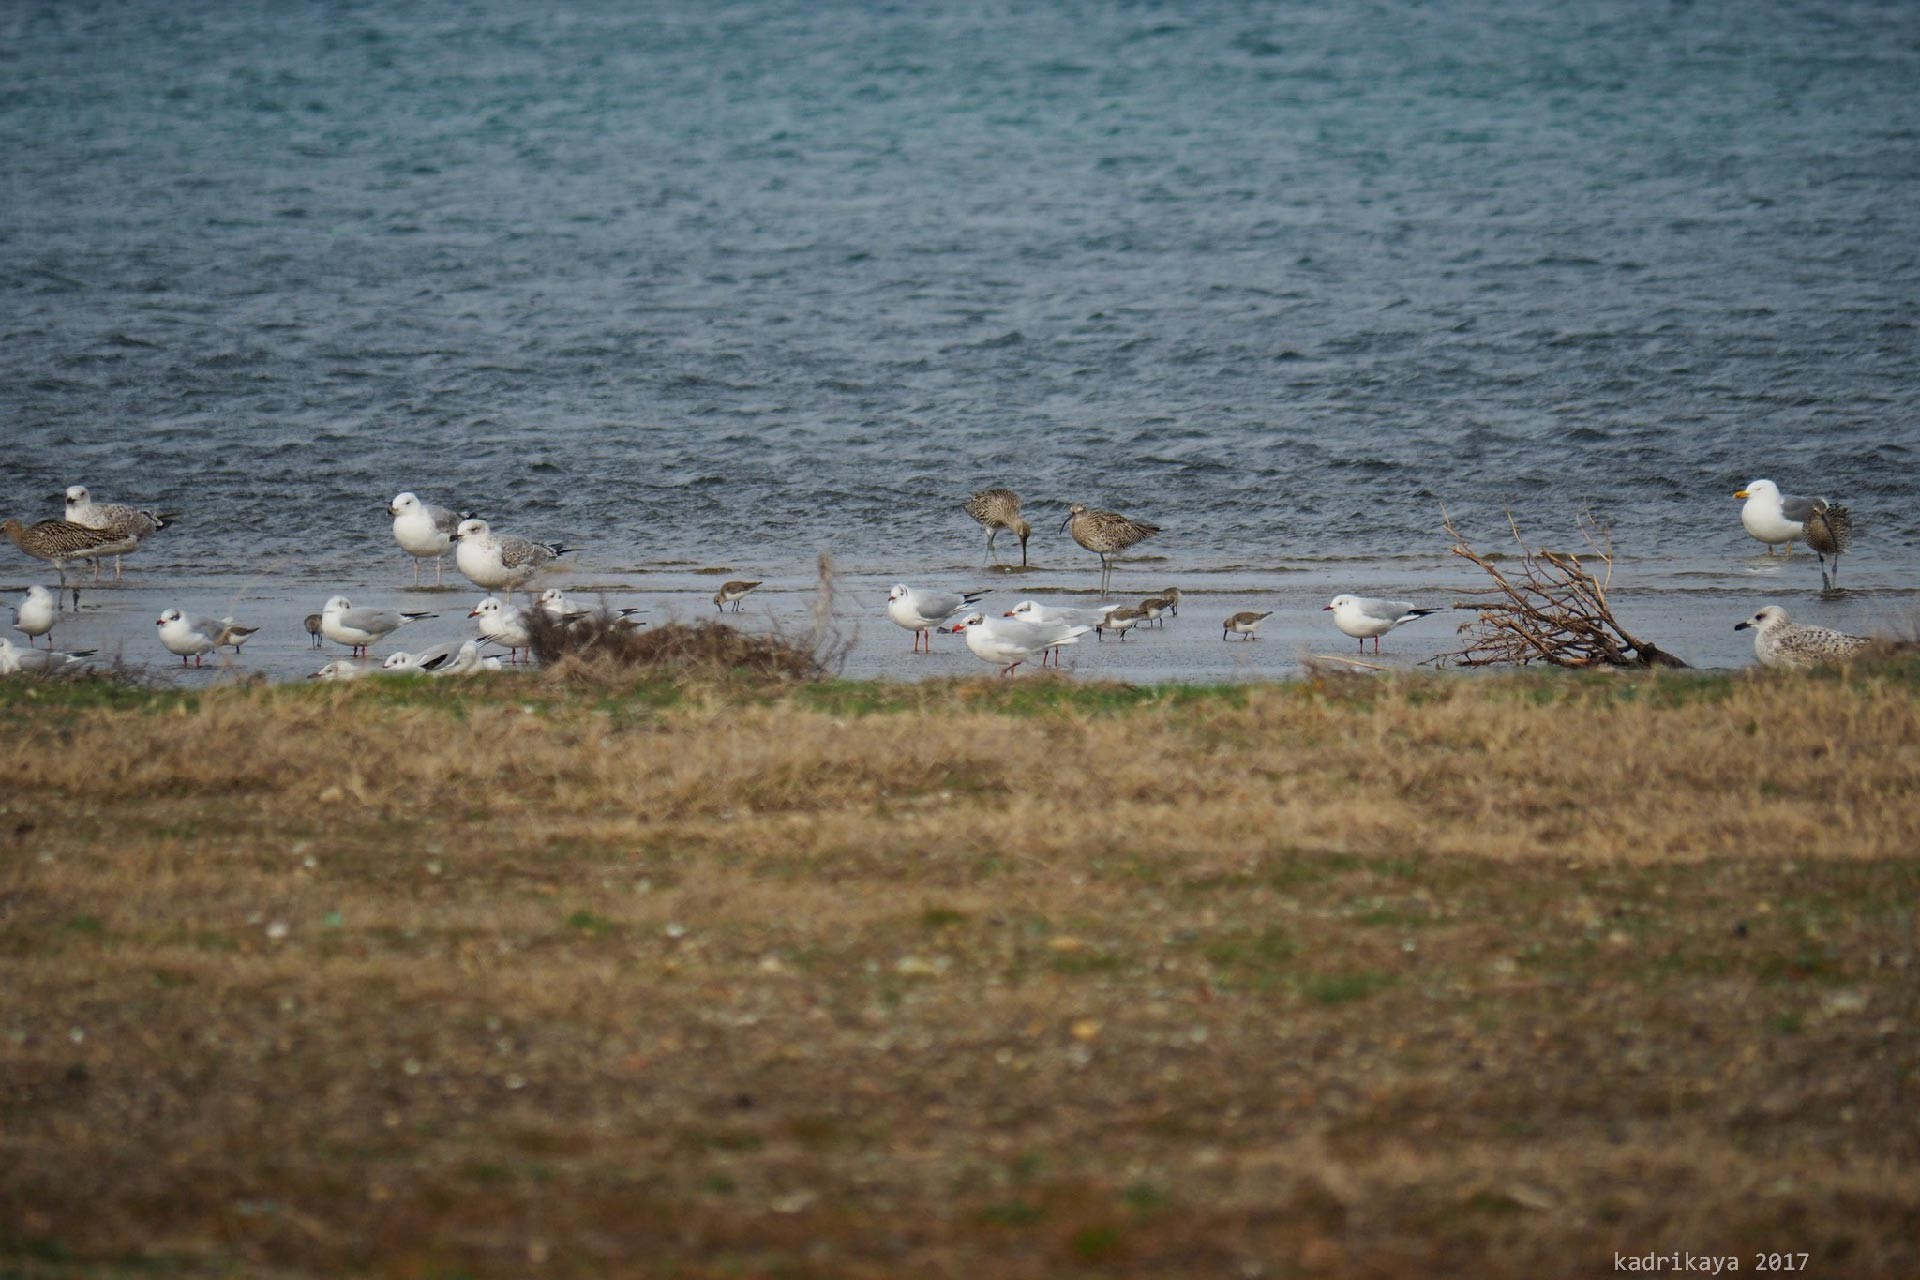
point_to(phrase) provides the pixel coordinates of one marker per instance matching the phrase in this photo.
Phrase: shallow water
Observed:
(723, 286)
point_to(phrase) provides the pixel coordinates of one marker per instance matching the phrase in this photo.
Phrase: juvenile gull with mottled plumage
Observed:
(1783, 646)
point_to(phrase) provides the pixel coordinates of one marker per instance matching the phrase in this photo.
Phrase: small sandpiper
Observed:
(731, 593)
(1244, 624)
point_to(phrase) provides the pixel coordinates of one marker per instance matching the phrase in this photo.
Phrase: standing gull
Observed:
(1008, 644)
(1106, 534)
(424, 531)
(1365, 618)
(1244, 624)
(114, 517)
(1782, 646)
(731, 593)
(500, 561)
(503, 625)
(59, 541)
(999, 509)
(189, 637)
(1829, 531)
(921, 611)
(341, 623)
(1773, 517)
(35, 615)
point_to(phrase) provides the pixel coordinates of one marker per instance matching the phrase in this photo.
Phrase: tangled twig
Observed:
(1554, 609)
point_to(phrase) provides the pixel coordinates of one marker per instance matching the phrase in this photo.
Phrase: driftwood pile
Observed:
(1551, 607)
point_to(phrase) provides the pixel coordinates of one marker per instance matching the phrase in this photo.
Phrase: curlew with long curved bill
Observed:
(1106, 534)
(999, 509)
(1828, 529)
(59, 541)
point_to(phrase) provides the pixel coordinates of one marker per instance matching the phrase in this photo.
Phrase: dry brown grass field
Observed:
(526, 977)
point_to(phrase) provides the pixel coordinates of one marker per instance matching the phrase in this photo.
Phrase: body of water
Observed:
(719, 286)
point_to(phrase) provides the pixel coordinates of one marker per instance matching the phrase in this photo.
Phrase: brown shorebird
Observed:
(1244, 624)
(1828, 530)
(1153, 607)
(730, 593)
(999, 509)
(1106, 534)
(1121, 621)
(313, 628)
(58, 541)
(115, 517)
(1172, 596)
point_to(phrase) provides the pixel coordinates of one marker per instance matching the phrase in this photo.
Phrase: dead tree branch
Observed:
(1553, 608)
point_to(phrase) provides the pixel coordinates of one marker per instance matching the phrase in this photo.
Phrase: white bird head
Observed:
(170, 616)
(487, 608)
(1768, 618)
(1025, 609)
(899, 589)
(1338, 602)
(471, 529)
(974, 619)
(336, 604)
(77, 495)
(1759, 489)
(400, 662)
(38, 594)
(401, 503)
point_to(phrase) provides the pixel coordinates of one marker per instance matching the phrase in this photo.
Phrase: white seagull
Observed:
(1034, 611)
(1365, 618)
(1007, 644)
(921, 611)
(189, 637)
(558, 606)
(426, 660)
(41, 662)
(424, 531)
(341, 623)
(467, 662)
(339, 669)
(503, 625)
(500, 561)
(35, 614)
(1773, 517)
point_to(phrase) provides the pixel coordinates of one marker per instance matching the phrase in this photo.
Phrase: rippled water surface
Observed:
(699, 285)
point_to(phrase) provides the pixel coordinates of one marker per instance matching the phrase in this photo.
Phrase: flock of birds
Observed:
(504, 563)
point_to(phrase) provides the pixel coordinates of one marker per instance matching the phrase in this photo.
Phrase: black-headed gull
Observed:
(921, 611)
(45, 662)
(503, 624)
(1007, 644)
(1365, 618)
(341, 623)
(35, 615)
(186, 636)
